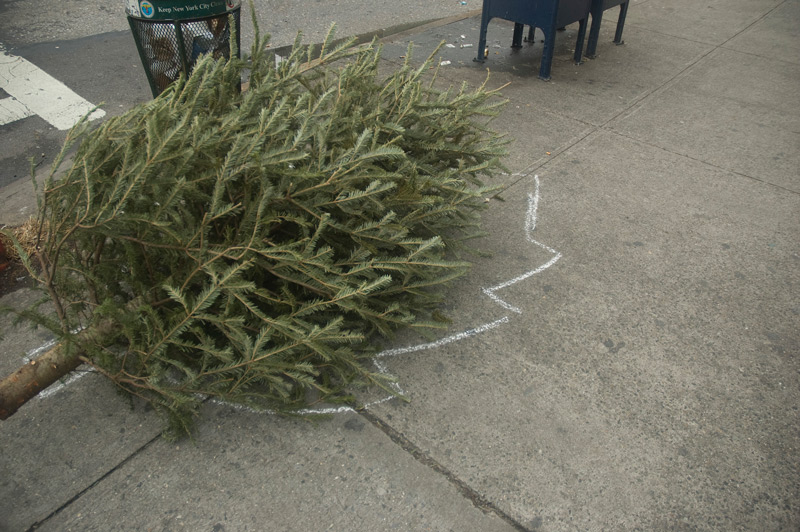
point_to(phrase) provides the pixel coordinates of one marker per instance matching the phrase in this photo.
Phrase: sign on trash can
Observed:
(171, 35)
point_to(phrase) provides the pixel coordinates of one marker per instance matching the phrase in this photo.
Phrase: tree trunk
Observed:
(25, 383)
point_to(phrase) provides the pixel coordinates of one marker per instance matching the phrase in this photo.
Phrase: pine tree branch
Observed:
(259, 240)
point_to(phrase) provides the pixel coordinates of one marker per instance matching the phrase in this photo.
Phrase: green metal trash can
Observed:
(172, 34)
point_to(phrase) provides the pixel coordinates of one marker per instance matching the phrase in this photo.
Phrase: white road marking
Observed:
(11, 111)
(35, 92)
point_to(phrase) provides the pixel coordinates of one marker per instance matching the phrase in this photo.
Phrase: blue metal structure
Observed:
(547, 15)
(598, 6)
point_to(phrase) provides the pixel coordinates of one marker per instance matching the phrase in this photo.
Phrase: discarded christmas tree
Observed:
(252, 245)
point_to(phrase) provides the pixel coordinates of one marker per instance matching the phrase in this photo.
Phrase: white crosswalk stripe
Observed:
(35, 92)
(12, 110)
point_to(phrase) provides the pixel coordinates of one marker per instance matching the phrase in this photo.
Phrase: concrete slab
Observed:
(253, 472)
(59, 444)
(66, 438)
(733, 110)
(650, 380)
(537, 135)
(17, 202)
(593, 92)
(775, 36)
(709, 22)
(20, 339)
(713, 227)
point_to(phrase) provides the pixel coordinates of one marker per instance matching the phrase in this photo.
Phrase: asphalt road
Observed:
(84, 50)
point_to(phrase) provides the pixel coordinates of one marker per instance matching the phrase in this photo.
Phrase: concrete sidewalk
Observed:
(627, 360)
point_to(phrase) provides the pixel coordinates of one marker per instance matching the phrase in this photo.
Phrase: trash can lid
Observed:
(178, 9)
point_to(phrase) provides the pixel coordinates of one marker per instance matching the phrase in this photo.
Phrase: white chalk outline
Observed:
(530, 226)
(377, 360)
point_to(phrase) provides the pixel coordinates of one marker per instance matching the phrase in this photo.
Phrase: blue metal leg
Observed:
(482, 39)
(594, 34)
(623, 11)
(516, 40)
(579, 44)
(547, 55)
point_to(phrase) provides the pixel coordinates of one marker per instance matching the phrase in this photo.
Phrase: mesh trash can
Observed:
(171, 35)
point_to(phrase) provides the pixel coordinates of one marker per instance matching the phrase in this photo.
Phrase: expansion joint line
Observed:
(478, 500)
